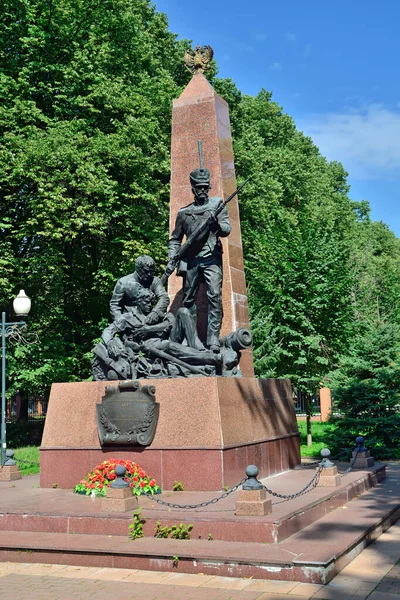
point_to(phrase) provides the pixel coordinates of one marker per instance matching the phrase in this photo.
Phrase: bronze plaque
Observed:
(128, 415)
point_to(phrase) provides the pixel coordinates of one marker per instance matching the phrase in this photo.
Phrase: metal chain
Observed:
(357, 450)
(314, 463)
(339, 454)
(310, 485)
(201, 504)
(307, 465)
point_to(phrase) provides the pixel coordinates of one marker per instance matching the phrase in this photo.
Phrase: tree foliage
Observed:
(375, 268)
(368, 391)
(296, 217)
(366, 382)
(86, 91)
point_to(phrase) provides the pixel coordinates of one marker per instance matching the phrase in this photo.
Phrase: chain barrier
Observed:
(307, 465)
(339, 455)
(357, 450)
(201, 504)
(314, 463)
(310, 485)
(307, 488)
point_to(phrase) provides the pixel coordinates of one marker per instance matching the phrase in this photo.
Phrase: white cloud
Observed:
(366, 141)
(290, 37)
(258, 37)
(244, 47)
(276, 66)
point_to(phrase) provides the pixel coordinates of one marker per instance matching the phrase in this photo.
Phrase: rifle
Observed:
(155, 352)
(199, 232)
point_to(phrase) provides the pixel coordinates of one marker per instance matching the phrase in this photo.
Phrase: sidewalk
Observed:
(374, 574)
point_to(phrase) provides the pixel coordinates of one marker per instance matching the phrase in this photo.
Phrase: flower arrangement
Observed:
(97, 481)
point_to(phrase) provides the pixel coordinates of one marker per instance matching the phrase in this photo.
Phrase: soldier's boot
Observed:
(213, 329)
(213, 342)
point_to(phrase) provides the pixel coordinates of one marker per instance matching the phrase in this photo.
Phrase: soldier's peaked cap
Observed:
(200, 176)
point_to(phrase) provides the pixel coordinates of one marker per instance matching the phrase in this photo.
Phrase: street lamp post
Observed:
(22, 306)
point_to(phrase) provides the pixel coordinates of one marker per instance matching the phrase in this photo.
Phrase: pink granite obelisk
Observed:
(200, 114)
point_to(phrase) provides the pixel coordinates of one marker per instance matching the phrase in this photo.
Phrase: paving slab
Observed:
(21, 581)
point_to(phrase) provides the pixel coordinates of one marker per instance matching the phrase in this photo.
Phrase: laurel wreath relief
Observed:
(134, 430)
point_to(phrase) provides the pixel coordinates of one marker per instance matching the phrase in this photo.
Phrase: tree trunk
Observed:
(308, 419)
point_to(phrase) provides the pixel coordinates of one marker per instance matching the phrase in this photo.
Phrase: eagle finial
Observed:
(198, 60)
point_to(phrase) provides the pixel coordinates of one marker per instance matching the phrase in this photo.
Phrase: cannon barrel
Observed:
(241, 339)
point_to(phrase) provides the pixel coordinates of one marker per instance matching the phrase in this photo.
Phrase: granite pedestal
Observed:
(363, 460)
(329, 477)
(120, 500)
(253, 503)
(10, 473)
(209, 430)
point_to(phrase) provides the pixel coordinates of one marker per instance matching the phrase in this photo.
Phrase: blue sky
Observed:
(333, 66)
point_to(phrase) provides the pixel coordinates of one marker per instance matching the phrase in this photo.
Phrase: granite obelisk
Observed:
(200, 114)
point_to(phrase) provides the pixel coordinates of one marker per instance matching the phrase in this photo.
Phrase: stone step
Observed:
(314, 554)
(68, 513)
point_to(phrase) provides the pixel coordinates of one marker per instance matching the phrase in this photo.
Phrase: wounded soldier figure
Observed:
(173, 340)
(146, 341)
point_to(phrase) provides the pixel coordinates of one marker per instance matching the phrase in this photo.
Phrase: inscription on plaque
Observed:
(128, 415)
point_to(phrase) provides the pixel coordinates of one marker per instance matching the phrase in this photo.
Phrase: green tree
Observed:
(296, 221)
(366, 382)
(86, 90)
(375, 264)
(367, 391)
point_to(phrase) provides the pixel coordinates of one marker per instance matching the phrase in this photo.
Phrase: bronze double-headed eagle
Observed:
(198, 60)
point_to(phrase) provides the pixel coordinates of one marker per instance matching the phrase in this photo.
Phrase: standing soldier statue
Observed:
(199, 259)
(203, 259)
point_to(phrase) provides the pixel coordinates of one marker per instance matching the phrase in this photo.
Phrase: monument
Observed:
(214, 417)
(146, 341)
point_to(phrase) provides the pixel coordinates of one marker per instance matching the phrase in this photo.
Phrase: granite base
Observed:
(363, 460)
(10, 473)
(120, 500)
(253, 503)
(209, 430)
(329, 477)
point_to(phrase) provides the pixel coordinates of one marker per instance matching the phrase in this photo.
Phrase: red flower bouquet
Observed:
(98, 480)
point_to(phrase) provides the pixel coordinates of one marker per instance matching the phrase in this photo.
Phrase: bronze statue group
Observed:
(144, 340)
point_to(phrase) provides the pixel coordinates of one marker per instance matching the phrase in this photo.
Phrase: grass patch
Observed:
(319, 435)
(31, 454)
